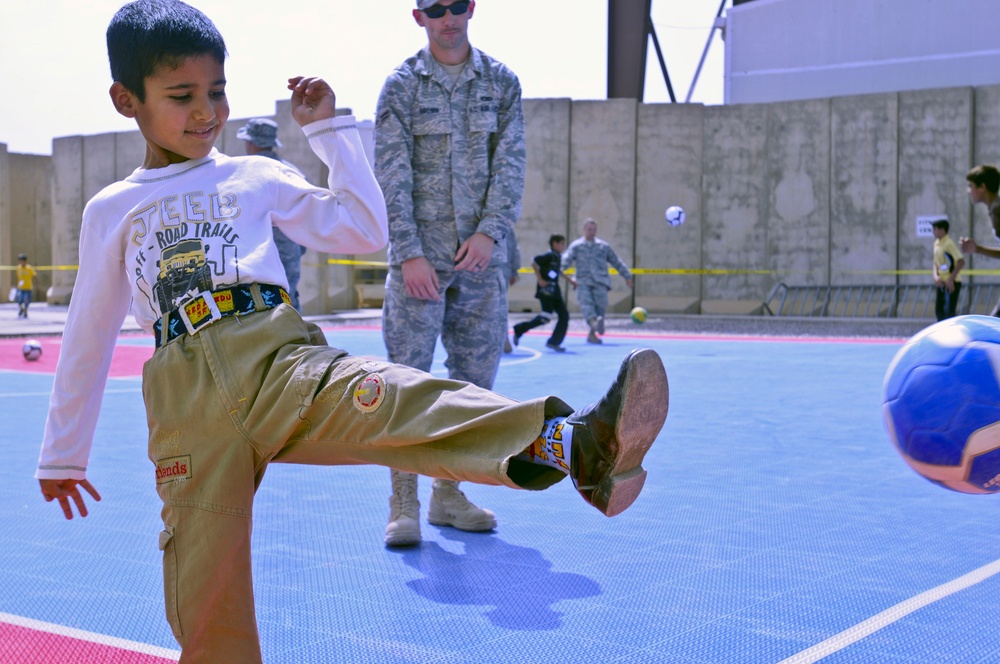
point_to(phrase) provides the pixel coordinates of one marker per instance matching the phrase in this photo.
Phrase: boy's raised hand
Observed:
(312, 99)
(63, 490)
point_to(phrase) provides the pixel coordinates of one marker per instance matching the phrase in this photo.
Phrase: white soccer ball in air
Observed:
(675, 215)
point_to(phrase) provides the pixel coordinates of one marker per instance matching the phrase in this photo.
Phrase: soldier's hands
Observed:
(420, 279)
(64, 490)
(968, 245)
(475, 253)
(312, 99)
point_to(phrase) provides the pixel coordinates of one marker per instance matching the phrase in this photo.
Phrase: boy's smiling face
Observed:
(184, 110)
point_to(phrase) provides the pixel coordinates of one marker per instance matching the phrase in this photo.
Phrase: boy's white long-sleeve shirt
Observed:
(162, 234)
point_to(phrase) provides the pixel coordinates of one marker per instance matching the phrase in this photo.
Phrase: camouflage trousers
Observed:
(470, 319)
(291, 259)
(593, 300)
(243, 393)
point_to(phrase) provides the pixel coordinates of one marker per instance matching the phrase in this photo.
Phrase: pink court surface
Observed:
(127, 362)
(777, 524)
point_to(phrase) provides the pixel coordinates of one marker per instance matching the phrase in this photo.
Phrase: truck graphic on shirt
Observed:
(183, 271)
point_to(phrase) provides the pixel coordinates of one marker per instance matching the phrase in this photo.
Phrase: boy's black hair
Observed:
(941, 223)
(148, 34)
(556, 238)
(985, 174)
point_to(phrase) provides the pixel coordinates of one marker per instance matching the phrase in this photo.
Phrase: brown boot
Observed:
(611, 437)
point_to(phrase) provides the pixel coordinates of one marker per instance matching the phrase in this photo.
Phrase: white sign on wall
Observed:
(924, 224)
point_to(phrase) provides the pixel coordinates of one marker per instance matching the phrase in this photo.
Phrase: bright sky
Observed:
(54, 72)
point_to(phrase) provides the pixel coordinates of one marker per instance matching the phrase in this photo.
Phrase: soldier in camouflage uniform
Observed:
(592, 256)
(450, 157)
(261, 138)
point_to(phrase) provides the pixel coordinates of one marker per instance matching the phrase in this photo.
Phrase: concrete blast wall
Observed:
(25, 217)
(813, 192)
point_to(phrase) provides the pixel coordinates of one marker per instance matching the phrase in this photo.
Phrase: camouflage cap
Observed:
(424, 4)
(262, 132)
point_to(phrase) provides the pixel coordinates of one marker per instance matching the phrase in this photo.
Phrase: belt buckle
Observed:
(203, 308)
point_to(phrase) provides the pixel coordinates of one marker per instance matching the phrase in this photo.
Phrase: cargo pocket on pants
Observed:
(170, 579)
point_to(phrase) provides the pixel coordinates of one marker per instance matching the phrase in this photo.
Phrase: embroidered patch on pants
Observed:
(369, 393)
(172, 469)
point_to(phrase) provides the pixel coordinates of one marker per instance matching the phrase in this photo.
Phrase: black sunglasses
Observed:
(456, 9)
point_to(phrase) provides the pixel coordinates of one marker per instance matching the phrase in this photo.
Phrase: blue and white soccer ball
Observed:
(941, 403)
(32, 350)
(675, 215)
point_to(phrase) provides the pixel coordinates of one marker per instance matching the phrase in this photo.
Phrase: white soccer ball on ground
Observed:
(32, 350)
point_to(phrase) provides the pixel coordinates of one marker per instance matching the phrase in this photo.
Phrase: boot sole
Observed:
(467, 526)
(403, 539)
(645, 401)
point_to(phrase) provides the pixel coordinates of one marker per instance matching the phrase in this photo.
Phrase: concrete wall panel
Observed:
(130, 153)
(736, 201)
(99, 169)
(602, 179)
(31, 215)
(864, 147)
(669, 155)
(798, 179)
(935, 150)
(67, 210)
(545, 209)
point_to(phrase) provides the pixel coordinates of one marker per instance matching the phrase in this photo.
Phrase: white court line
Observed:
(504, 362)
(101, 639)
(534, 355)
(891, 615)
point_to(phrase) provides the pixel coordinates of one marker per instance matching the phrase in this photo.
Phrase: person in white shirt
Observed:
(238, 379)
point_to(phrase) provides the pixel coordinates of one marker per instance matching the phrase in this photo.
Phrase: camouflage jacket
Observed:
(592, 260)
(450, 161)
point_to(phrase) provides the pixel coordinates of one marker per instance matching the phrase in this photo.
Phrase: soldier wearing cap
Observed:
(261, 137)
(450, 157)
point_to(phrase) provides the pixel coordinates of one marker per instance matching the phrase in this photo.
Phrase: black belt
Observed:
(207, 307)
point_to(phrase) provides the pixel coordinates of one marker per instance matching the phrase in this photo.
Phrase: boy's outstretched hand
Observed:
(312, 99)
(63, 490)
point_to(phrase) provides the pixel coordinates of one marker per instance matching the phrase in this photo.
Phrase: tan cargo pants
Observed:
(242, 393)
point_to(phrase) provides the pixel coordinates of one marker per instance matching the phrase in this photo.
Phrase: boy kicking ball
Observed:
(238, 380)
